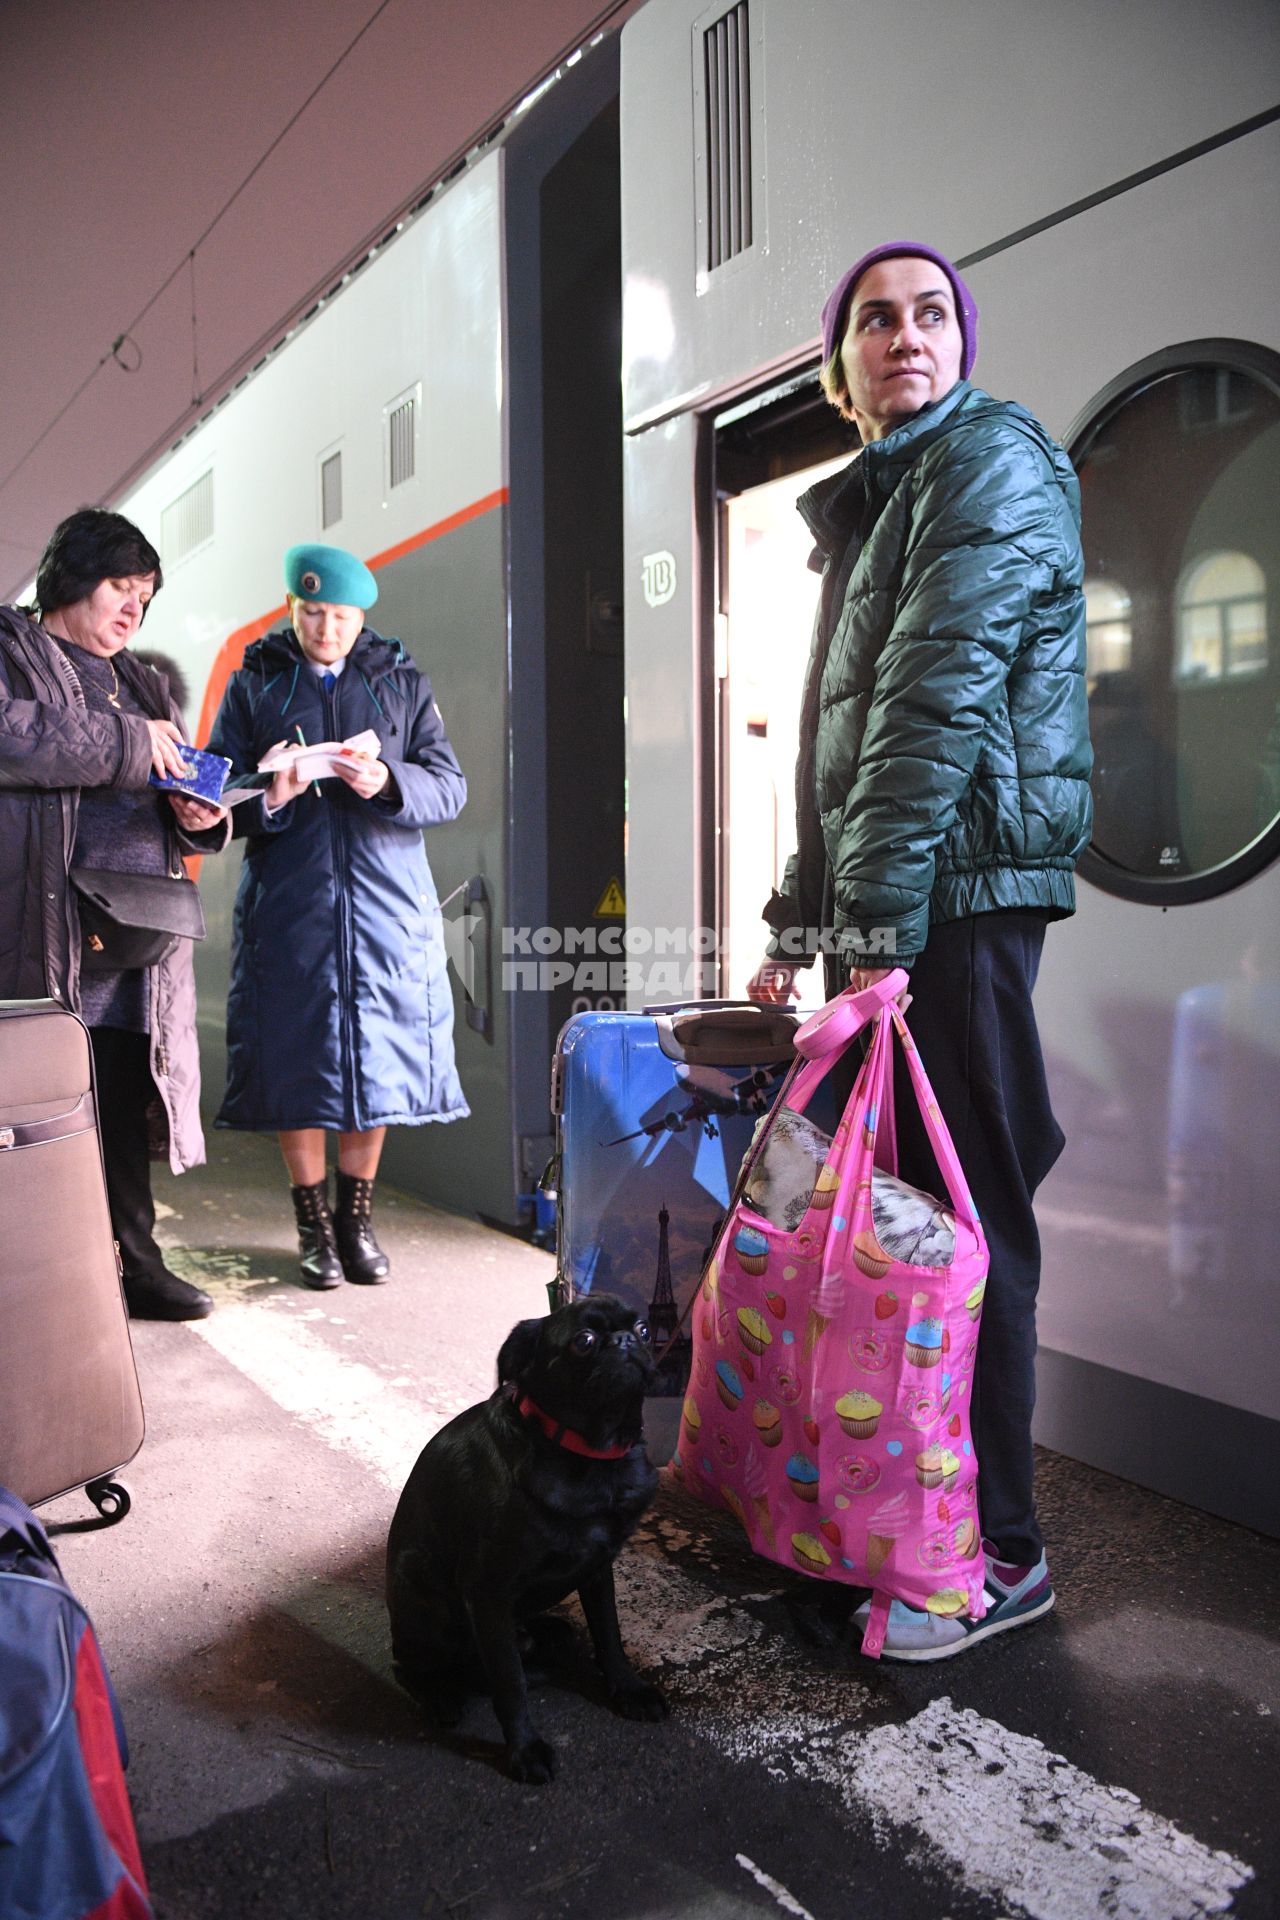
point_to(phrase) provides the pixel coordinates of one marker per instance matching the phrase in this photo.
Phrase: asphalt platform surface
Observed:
(1121, 1757)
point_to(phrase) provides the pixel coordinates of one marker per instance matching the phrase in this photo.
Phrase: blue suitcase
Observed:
(654, 1112)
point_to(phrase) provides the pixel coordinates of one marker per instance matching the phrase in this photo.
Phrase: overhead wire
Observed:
(189, 253)
(195, 338)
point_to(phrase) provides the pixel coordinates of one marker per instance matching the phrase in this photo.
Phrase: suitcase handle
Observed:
(81, 1117)
(697, 1006)
(737, 1034)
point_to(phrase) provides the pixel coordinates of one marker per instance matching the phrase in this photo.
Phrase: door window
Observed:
(1179, 465)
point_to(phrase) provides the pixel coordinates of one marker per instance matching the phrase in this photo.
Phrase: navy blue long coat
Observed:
(340, 1013)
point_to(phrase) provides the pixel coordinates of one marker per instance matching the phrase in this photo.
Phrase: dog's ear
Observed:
(517, 1352)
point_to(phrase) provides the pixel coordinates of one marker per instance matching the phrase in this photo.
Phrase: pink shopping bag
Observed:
(828, 1406)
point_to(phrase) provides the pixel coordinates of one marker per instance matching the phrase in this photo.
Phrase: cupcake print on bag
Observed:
(924, 1343)
(752, 1250)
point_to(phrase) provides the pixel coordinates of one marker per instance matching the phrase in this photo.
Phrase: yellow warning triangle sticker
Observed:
(612, 902)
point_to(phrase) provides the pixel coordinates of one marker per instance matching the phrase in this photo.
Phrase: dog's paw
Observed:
(638, 1700)
(534, 1763)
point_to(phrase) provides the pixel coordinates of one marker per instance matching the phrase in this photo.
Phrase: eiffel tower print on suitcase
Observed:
(670, 1339)
(655, 1111)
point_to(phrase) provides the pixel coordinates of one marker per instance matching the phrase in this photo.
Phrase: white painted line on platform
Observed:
(1024, 1825)
(346, 1403)
(1019, 1822)
(787, 1901)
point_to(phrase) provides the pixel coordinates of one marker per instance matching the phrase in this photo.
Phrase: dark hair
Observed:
(164, 663)
(89, 547)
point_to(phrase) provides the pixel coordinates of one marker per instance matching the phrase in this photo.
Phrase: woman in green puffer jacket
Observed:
(942, 795)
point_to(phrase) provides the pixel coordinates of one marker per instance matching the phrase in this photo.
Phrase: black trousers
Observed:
(122, 1065)
(971, 1018)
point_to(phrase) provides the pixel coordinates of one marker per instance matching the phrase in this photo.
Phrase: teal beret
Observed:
(330, 574)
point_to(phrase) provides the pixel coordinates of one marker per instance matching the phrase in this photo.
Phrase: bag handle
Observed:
(730, 1036)
(759, 1141)
(872, 1099)
(832, 1028)
(886, 1153)
(871, 1142)
(935, 1126)
(827, 1034)
(17, 1518)
(749, 1158)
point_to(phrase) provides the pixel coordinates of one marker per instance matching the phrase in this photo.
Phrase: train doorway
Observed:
(565, 797)
(767, 455)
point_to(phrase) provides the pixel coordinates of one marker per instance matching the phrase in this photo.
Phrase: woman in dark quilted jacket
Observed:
(942, 797)
(83, 727)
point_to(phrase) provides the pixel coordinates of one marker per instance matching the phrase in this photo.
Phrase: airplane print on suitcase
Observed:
(655, 1112)
(70, 1409)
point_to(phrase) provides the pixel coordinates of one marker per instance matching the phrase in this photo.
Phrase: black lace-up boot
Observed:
(363, 1260)
(321, 1266)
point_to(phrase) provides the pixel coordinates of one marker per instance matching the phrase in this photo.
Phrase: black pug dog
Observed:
(514, 1505)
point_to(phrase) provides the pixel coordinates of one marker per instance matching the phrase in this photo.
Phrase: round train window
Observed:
(1179, 465)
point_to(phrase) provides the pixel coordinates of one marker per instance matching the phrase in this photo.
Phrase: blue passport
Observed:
(204, 775)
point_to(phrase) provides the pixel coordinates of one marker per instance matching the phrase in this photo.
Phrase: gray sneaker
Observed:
(1015, 1595)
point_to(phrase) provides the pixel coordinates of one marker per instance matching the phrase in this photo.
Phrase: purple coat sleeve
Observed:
(42, 745)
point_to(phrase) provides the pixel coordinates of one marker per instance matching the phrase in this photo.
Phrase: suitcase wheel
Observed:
(113, 1501)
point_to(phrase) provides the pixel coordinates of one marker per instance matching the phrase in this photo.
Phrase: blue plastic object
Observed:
(204, 778)
(542, 1203)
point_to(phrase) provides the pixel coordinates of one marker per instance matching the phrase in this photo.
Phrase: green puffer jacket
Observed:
(944, 743)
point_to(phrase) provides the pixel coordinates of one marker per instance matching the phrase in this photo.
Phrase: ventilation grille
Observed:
(727, 95)
(401, 438)
(187, 522)
(331, 490)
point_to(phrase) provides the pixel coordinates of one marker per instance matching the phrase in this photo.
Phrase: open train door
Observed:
(767, 453)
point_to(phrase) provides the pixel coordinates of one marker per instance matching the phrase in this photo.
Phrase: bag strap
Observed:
(886, 1150)
(935, 1126)
(877, 1623)
(872, 1102)
(16, 1517)
(749, 1159)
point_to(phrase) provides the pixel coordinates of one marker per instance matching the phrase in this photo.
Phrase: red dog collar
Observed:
(565, 1436)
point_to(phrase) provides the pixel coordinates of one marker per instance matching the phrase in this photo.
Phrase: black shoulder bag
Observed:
(133, 919)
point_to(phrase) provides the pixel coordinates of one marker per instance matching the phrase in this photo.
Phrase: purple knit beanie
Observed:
(834, 312)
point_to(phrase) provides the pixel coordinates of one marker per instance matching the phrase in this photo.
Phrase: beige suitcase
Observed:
(70, 1408)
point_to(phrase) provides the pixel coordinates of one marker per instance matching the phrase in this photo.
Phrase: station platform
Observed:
(1120, 1757)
